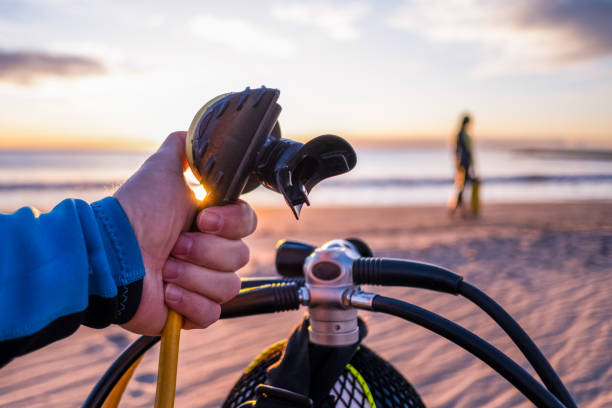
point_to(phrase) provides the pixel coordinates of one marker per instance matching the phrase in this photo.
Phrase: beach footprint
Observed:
(119, 340)
(148, 378)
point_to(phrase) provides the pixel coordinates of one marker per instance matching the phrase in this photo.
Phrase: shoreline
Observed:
(281, 207)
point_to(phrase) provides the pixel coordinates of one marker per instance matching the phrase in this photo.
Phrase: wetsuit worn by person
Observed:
(78, 264)
(464, 159)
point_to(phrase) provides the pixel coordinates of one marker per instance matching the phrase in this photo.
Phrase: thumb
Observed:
(171, 154)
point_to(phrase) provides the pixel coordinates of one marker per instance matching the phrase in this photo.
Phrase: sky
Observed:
(117, 74)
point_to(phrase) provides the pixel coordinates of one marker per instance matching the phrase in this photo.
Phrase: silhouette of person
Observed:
(464, 160)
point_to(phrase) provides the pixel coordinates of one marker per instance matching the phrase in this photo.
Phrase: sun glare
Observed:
(199, 192)
(194, 185)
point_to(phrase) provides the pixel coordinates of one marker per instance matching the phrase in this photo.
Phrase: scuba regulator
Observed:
(233, 145)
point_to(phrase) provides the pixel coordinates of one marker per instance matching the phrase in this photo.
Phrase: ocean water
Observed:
(401, 176)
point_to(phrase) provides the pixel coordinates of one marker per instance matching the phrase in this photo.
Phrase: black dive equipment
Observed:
(324, 287)
(297, 372)
(234, 144)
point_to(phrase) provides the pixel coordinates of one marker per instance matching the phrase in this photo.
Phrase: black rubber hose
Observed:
(254, 282)
(262, 299)
(114, 373)
(497, 360)
(400, 272)
(521, 339)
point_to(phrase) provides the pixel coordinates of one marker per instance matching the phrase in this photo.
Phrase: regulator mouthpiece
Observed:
(234, 144)
(293, 169)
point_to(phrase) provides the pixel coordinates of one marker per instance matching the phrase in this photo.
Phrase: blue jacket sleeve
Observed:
(78, 264)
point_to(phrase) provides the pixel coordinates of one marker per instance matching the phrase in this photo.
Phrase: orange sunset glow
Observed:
(368, 71)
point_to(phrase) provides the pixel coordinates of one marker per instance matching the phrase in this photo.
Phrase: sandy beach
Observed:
(549, 265)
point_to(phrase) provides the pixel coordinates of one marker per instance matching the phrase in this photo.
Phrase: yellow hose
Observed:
(112, 401)
(169, 349)
(168, 361)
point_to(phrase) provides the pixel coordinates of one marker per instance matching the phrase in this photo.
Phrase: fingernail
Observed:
(183, 245)
(210, 222)
(170, 269)
(173, 293)
(245, 207)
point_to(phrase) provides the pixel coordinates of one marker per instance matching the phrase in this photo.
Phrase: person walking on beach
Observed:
(464, 161)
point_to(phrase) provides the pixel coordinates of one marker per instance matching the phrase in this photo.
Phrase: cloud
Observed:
(522, 36)
(588, 21)
(27, 67)
(241, 36)
(338, 21)
(154, 21)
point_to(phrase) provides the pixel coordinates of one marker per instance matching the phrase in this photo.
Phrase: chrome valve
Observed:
(329, 280)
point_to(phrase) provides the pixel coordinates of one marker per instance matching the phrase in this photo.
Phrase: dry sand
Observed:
(549, 265)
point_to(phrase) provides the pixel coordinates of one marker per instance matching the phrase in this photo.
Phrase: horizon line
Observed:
(127, 144)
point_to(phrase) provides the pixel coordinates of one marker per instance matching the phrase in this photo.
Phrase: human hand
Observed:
(160, 206)
(200, 273)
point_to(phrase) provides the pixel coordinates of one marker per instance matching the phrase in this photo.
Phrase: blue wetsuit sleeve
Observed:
(78, 264)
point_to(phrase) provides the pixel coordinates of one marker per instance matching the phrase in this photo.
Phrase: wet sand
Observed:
(549, 265)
